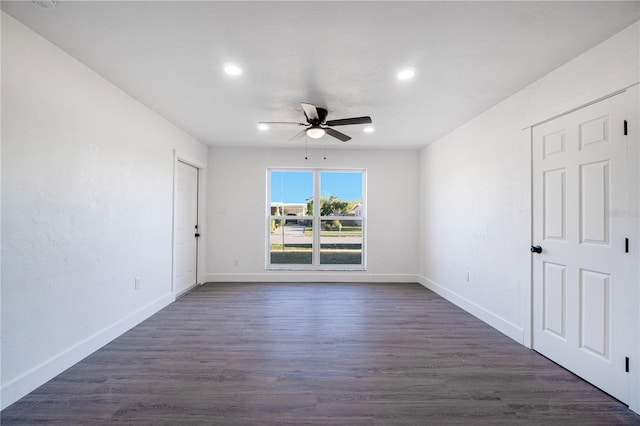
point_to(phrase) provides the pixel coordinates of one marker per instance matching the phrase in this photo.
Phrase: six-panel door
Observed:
(581, 283)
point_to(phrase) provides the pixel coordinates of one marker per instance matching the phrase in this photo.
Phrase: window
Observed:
(316, 219)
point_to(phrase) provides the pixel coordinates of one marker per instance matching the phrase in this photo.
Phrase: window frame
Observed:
(316, 220)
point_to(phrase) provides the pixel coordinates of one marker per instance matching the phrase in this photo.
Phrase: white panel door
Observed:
(186, 227)
(581, 283)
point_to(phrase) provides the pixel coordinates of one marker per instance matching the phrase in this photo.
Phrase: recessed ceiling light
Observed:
(368, 129)
(406, 74)
(263, 126)
(232, 69)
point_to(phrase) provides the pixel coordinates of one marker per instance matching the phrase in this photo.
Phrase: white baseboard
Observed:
(495, 321)
(313, 276)
(39, 375)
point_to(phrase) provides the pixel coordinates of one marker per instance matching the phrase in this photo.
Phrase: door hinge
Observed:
(626, 245)
(626, 364)
(625, 127)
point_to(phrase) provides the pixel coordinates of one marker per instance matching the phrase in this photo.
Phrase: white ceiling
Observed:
(342, 55)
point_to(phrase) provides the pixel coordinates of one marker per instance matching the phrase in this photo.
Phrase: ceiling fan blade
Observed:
(345, 121)
(298, 136)
(282, 122)
(310, 112)
(336, 134)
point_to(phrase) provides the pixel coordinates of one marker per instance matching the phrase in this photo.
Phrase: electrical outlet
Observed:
(466, 276)
(136, 285)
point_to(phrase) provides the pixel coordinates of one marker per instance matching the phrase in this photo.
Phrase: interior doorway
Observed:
(186, 232)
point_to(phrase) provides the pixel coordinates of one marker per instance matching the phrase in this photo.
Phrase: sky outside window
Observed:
(291, 187)
(297, 187)
(345, 186)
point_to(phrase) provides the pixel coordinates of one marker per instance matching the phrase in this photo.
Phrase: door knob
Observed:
(536, 249)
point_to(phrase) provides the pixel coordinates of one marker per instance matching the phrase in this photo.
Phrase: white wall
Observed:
(87, 181)
(86, 177)
(475, 204)
(237, 207)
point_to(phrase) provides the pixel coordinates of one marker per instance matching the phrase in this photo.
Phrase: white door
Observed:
(186, 227)
(581, 284)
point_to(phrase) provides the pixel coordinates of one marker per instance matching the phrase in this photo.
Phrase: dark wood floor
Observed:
(316, 354)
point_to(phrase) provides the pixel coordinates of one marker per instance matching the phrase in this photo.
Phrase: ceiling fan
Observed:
(317, 125)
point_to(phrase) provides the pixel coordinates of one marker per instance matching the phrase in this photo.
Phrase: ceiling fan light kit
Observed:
(315, 132)
(318, 125)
